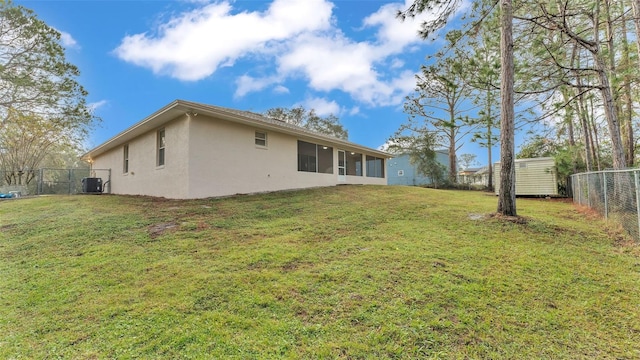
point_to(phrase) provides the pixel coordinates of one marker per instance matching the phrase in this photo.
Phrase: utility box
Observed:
(91, 185)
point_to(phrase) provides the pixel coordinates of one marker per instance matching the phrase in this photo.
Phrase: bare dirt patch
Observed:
(477, 217)
(7, 227)
(512, 219)
(159, 229)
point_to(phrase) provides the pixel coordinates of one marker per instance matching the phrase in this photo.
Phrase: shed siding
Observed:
(535, 176)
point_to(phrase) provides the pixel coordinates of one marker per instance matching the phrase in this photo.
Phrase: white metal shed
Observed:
(535, 176)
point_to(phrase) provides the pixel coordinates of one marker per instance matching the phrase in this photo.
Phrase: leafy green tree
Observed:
(308, 119)
(27, 141)
(468, 160)
(538, 146)
(41, 103)
(446, 8)
(483, 75)
(585, 30)
(439, 105)
(35, 77)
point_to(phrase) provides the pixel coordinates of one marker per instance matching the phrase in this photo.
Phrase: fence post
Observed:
(635, 175)
(579, 192)
(583, 183)
(588, 190)
(69, 176)
(40, 180)
(606, 207)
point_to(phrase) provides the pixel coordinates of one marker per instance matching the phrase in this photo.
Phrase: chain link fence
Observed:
(614, 194)
(48, 181)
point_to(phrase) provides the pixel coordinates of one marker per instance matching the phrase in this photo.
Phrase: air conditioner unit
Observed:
(91, 185)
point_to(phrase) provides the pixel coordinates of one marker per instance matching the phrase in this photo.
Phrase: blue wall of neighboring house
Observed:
(400, 171)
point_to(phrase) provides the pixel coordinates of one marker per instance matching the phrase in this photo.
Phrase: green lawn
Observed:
(347, 272)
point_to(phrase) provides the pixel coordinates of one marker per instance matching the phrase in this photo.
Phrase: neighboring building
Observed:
(474, 176)
(536, 176)
(400, 170)
(190, 150)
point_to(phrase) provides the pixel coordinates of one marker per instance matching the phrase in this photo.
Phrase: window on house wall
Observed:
(375, 167)
(161, 147)
(261, 138)
(325, 159)
(125, 159)
(307, 157)
(315, 158)
(354, 164)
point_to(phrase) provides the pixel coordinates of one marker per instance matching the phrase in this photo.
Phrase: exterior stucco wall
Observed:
(208, 157)
(225, 161)
(144, 177)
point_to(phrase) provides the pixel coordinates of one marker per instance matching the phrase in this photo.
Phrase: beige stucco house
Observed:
(190, 150)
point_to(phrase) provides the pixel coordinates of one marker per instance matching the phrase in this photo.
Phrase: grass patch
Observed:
(344, 272)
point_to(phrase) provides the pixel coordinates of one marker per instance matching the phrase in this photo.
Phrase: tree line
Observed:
(44, 116)
(569, 67)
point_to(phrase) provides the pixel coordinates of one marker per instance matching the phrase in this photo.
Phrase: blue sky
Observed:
(350, 58)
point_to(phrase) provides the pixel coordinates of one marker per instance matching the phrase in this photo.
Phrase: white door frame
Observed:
(342, 169)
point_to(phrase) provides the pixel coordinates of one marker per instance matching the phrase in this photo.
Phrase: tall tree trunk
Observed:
(453, 165)
(621, 194)
(507, 196)
(627, 114)
(613, 73)
(568, 120)
(595, 145)
(584, 123)
(617, 150)
(489, 139)
(451, 134)
(581, 110)
(635, 4)
(610, 113)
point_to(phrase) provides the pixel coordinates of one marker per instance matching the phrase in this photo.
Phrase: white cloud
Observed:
(290, 39)
(193, 45)
(392, 32)
(246, 84)
(67, 40)
(280, 89)
(322, 107)
(96, 105)
(396, 63)
(331, 61)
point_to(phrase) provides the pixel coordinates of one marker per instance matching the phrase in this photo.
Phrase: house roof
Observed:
(469, 171)
(181, 107)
